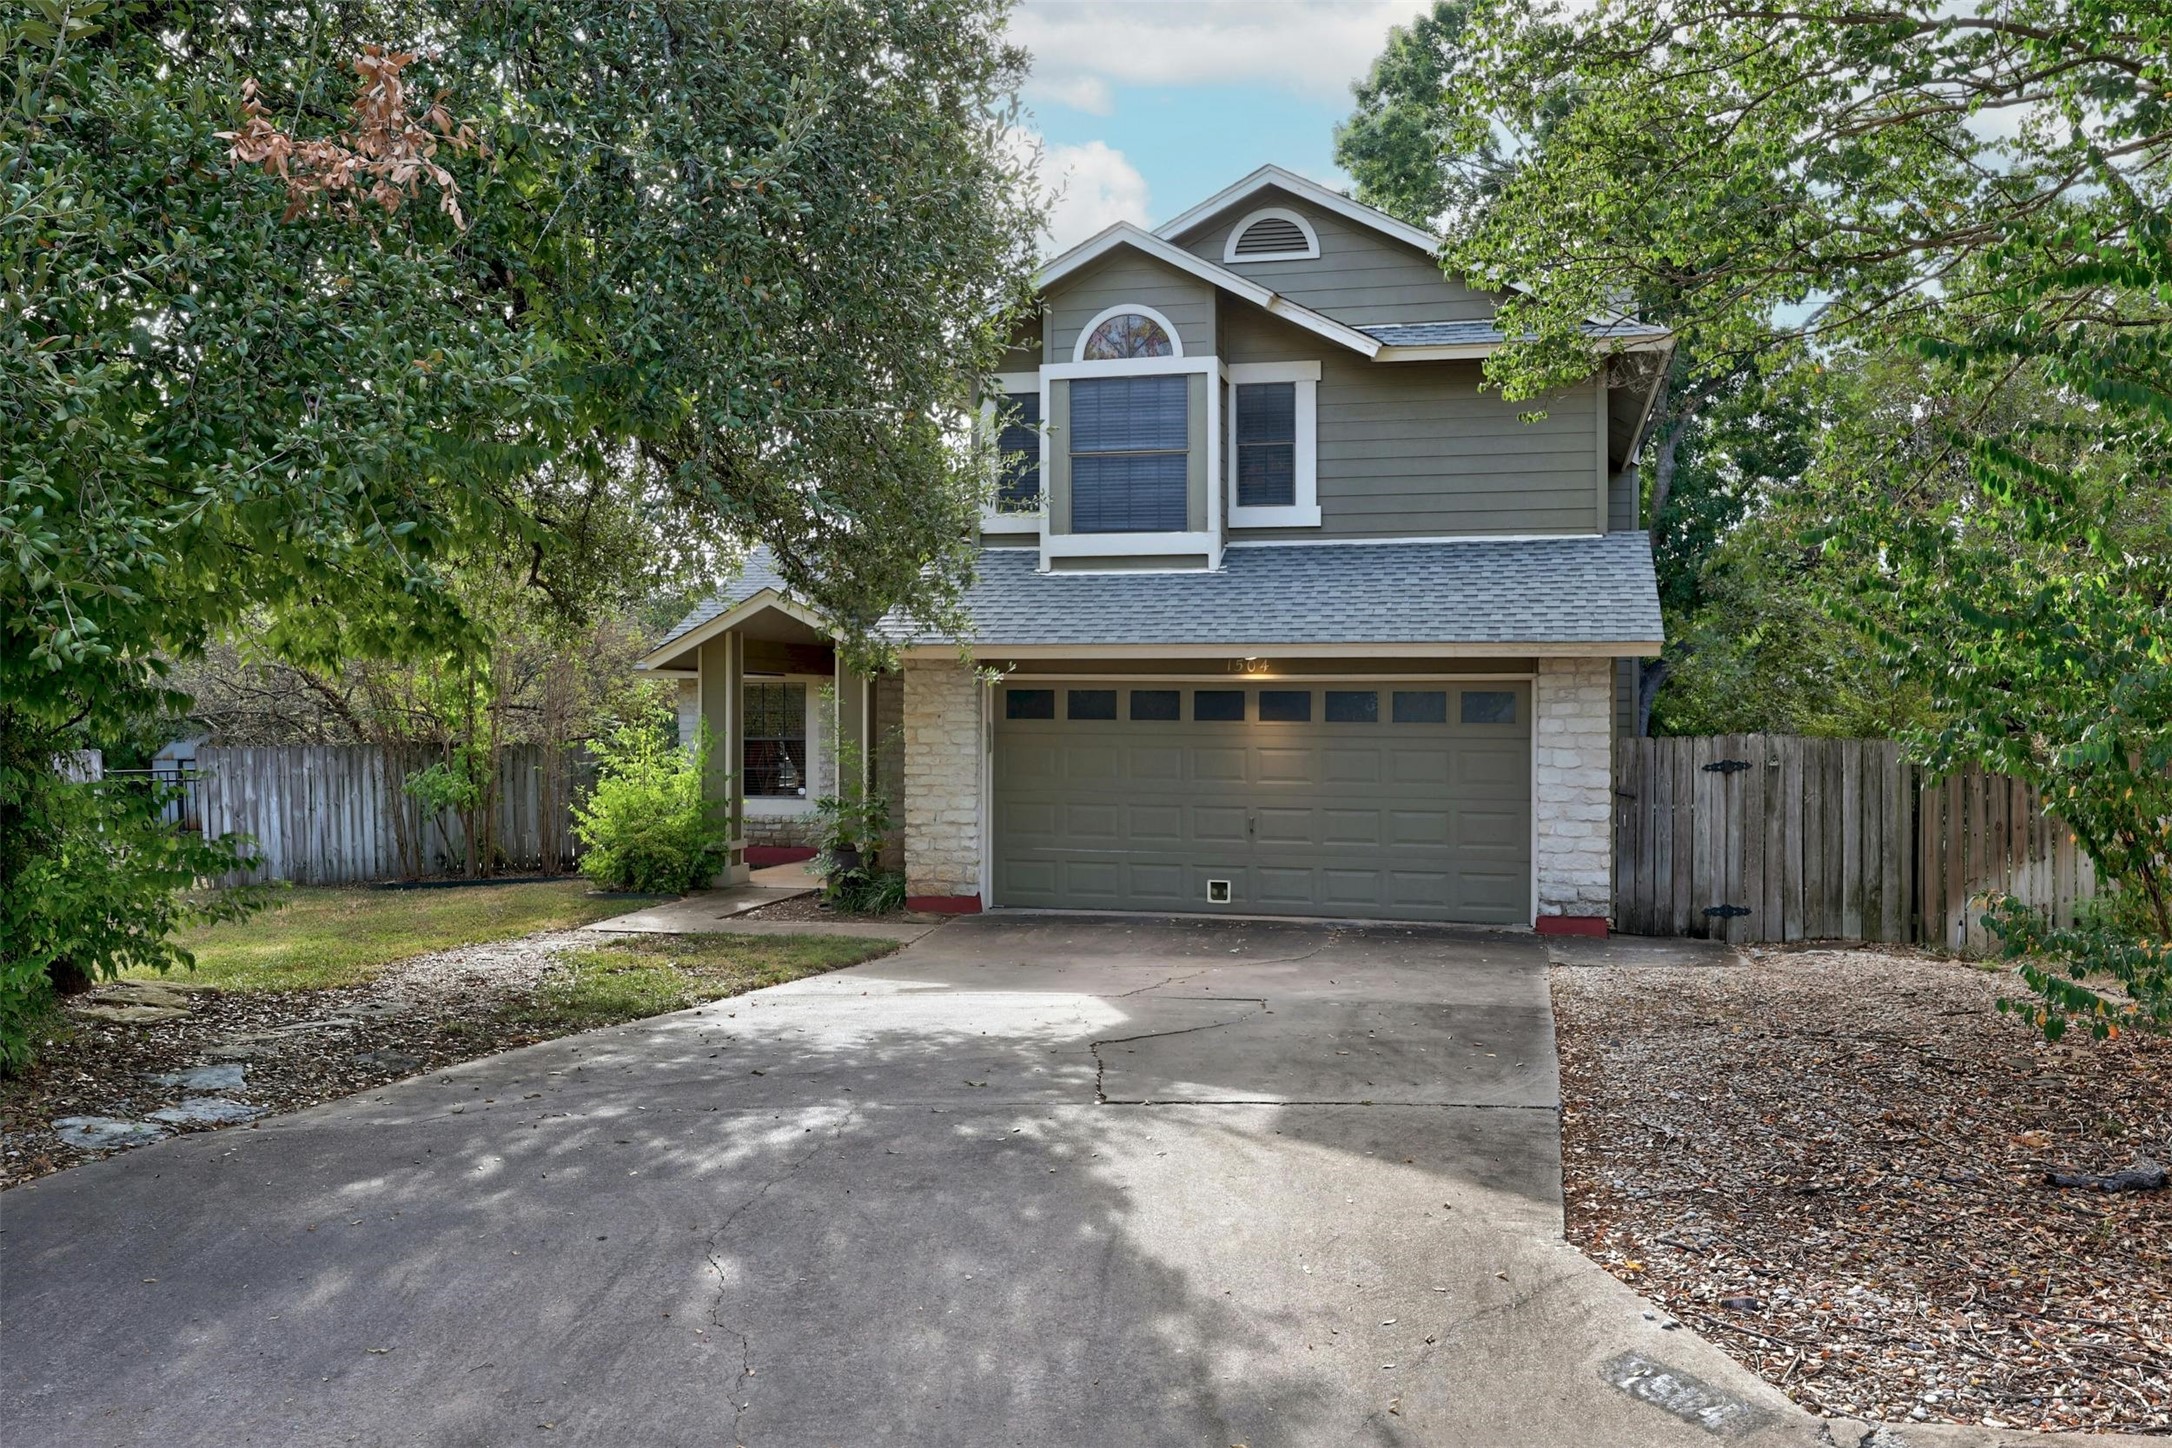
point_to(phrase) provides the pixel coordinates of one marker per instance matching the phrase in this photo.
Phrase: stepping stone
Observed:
(243, 1048)
(102, 1132)
(203, 1078)
(206, 1110)
(133, 1015)
(140, 993)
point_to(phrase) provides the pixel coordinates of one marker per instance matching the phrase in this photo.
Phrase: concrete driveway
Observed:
(1039, 1181)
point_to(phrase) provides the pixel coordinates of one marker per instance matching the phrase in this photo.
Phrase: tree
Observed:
(705, 276)
(1983, 189)
(1413, 157)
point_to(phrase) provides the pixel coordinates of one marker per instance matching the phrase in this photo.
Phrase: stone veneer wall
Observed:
(1574, 759)
(942, 779)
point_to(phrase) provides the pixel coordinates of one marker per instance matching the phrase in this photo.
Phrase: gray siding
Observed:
(1360, 276)
(1415, 449)
(1127, 276)
(1624, 502)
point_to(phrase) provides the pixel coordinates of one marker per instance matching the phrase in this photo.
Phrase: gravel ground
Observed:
(1831, 1163)
(297, 1047)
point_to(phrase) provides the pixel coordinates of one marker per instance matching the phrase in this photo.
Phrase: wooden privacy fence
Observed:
(1769, 837)
(331, 813)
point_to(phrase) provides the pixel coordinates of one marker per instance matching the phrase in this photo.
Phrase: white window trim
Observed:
(992, 520)
(1122, 545)
(782, 806)
(1085, 334)
(1311, 249)
(1304, 512)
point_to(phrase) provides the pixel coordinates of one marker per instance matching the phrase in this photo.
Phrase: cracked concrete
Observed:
(1037, 1181)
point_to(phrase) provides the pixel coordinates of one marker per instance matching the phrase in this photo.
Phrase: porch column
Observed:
(723, 709)
(849, 731)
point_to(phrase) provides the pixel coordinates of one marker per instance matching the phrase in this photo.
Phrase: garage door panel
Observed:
(1418, 767)
(1219, 766)
(1156, 762)
(1418, 827)
(1093, 825)
(1159, 883)
(1220, 824)
(1357, 827)
(1280, 885)
(1092, 764)
(1350, 890)
(1418, 820)
(1156, 825)
(1281, 825)
(1351, 766)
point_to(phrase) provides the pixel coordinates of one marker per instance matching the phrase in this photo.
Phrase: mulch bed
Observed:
(1832, 1163)
(304, 1047)
(809, 907)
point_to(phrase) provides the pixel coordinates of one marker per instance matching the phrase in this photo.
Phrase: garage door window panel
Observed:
(1352, 706)
(1285, 706)
(1157, 705)
(1217, 706)
(1091, 704)
(1420, 706)
(1488, 706)
(1029, 703)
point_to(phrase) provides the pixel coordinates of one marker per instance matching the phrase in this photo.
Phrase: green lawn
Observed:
(333, 936)
(646, 975)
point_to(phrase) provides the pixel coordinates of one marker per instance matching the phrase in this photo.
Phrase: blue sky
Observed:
(1144, 107)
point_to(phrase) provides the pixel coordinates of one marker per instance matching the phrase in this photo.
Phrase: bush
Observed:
(2107, 971)
(646, 825)
(104, 884)
(850, 827)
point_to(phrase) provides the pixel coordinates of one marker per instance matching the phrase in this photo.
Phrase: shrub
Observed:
(646, 825)
(106, 884)
(850, 827)
(2108, 971)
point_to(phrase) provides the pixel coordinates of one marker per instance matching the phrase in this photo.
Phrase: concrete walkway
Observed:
(1028, 1182)
(705, 911)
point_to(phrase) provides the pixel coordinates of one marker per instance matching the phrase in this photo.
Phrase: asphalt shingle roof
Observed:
(1470, 334)
(1572, 590)
(1592, 589)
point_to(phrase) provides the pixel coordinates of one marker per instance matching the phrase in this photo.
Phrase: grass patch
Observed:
(651, 974)
(320, 937)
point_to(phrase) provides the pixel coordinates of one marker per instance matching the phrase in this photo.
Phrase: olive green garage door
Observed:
(1401, 801)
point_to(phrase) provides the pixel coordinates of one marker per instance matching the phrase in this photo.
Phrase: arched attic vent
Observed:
(1272, 234)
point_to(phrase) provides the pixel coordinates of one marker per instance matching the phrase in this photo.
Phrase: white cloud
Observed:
(1092, 185)
(1088, 93)
(1316, 47)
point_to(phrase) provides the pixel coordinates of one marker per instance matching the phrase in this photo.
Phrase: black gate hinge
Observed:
(1727, 766)
(1725, 912)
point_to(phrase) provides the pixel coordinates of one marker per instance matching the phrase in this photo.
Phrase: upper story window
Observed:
(1018, 486)
(1126, 333)
(1274, 444)
(1266, 445)
(1273, 233)
(1130, 454)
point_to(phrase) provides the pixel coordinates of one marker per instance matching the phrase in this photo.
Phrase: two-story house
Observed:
(1278, 612)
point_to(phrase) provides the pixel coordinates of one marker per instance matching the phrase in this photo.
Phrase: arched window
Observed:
(1124, 333)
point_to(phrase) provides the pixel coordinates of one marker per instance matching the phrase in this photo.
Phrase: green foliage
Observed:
(449, 785)
(850, 828)
(647, 825)
(725, 276)
(101, 885)
(1964, 209)
(2103, 971)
